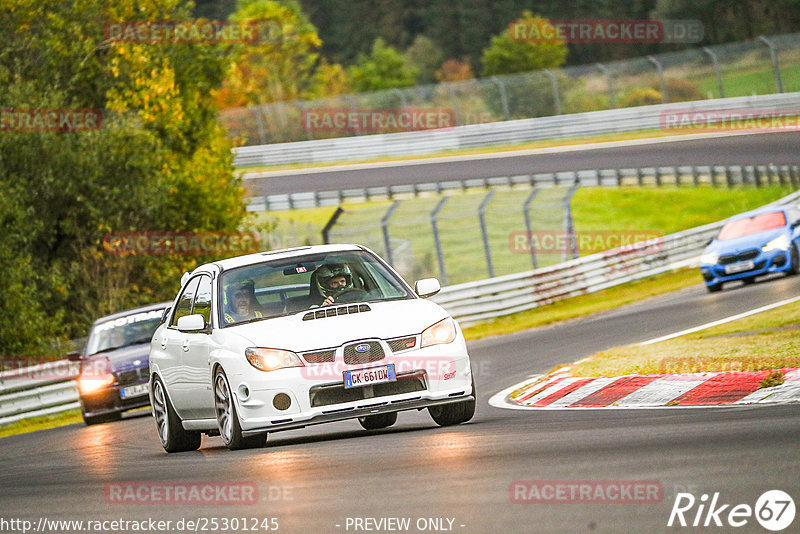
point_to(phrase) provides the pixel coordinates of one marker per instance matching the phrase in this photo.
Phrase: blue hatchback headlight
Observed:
(709, 257)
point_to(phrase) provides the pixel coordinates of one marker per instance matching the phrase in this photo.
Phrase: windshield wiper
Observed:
(107, 349)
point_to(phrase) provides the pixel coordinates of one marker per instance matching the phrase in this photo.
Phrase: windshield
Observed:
(128, 330)
(752, 225)
(281, 287)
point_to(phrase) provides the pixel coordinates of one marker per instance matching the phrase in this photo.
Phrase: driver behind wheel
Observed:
(333, 280)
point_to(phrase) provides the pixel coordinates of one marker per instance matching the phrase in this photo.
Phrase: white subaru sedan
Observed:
(284, 339)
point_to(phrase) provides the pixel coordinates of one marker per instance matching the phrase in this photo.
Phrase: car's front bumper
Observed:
(109, 400)
(425, 377)
(775, 261)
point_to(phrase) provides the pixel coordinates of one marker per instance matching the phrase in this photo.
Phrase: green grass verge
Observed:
(40, 423)
(768, 340)
(584, 305)
(632, 210)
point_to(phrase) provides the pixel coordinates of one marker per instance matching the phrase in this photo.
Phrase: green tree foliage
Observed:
(426, 57)
(508, 55)
(384, 68)
(158, 163)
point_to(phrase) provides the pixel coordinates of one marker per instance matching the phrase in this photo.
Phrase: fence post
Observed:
(437, 241)
(556, 92)
(773, 53)
(526, 211)
(484, 233)
(640, 176)
(661, 82)
(385, 230)
(610, 81)
(695, 176)
(793, 178)
(569, 224)
(454, 102)
(503, 96)
(326, 230)
(260, 125)
(403, 101)
(728, 176)
(718, 73)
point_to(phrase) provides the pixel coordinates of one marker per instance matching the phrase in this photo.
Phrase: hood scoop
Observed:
(334, 311)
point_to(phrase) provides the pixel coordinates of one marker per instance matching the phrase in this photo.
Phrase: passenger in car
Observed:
(242, 304)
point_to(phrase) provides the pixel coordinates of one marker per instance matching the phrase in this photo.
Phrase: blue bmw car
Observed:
(752, 244)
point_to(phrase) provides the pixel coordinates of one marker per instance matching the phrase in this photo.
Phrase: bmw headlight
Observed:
(709, 257)
(439, 334)
(779, 243)
(271, 359)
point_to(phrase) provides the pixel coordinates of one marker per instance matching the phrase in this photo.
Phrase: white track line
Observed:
(719, 322)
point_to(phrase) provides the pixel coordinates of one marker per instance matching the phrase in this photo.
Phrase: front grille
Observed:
(337, 394)
(321, 356)
(403, 343)
(337, 310)
(132, 376)
(742, 256)
(372, 354)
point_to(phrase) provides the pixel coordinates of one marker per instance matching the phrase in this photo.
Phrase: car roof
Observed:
(260, 257)
(141, 309)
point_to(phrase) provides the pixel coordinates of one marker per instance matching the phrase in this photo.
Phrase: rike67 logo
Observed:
(774, 510)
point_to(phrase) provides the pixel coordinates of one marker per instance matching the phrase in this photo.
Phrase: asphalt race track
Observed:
(778, 148)
(314, 479)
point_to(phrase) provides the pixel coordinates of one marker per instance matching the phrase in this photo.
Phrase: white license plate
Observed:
(740, 267)
(134, 391)
(367, 377)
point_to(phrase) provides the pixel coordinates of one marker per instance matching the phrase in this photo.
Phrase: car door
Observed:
(171, 344)
(195, 361)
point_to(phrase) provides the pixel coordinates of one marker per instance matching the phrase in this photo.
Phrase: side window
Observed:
(184, 306)
(202, 302)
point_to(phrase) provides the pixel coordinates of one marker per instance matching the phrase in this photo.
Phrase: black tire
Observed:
(228, 419)
(713, 288)
(794, 262)
(99, 419)
(376, 422)
(168, 425)
(454, 414)
(749, 280)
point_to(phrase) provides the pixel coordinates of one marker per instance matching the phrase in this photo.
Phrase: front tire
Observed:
(456, 413)
(376, 422)
(228, 420)
(170, 431)
(713, 288)
(794, 262)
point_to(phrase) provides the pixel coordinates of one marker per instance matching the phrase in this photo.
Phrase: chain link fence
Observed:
(756, 67)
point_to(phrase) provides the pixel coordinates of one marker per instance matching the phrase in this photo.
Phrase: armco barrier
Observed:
(469, 303)
(574, 125)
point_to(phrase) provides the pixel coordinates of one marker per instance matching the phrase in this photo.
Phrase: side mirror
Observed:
(427, 287)
(192, 323)
(709, 241)
(796, 223)
(74, 356)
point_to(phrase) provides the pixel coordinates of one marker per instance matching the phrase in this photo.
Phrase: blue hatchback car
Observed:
(752, 244)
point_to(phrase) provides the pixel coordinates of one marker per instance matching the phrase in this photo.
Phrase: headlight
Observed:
(710, 257)
(442, 332)
(271, 359)
(89, 383)
(779, 243)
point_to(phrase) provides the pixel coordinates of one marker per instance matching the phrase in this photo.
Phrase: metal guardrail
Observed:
(716, 175)
(38, 390)
(575, 125)
(486, 299)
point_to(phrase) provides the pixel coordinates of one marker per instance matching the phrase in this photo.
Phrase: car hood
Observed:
(124, 358)
(385, 320)
(745, 242)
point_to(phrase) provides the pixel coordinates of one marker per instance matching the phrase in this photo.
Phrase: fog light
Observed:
(244, 392)
(281, 401)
